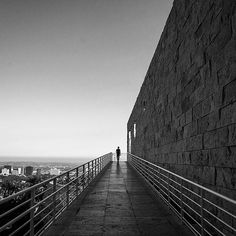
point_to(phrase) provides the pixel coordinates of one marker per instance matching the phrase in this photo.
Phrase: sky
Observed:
(70, 73)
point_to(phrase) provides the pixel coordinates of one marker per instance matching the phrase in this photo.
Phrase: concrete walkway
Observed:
(120, 204)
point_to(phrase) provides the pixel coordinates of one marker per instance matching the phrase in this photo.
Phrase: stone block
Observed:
(234, 23)
(228, 114)
(232, 134)
(207, 175)
(178, 87)
(200, 158)
(188, 171)
(199, 57)
(187, 130)
(224, 35)
(203, 174)
(182, 120)
(226, 177)
(180, 146)
(185, 104)
(229, 92)
(203, 124)
(218, 98)
(194, 143)
(188, 116)
(191, 86)
(222, 137)
(198, 95)
(193, 128)
(209, 139)
(179, 133)
(197, 111)
(223, 157)
(223, 75)
(213, 120)
(173, 158)
(172, 94)
(187, 158)
(180, 158)
(207, 106)
(205, 71)
(216, 138)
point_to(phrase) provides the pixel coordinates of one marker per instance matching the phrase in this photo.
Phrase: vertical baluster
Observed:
(32, 199)
(202, 221)
(67, 188)
(100, 164)
(92, 169)
(181, 199)
(83, 177)
(168, 190)
(88, 172)
(77, 181)
(95, 167)
(54, 197)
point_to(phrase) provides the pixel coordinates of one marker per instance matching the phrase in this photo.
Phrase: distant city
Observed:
(18, 175)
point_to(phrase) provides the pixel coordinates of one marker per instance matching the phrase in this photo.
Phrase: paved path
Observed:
(120, 204)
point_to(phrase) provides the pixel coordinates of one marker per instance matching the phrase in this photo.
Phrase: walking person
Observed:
(118, 154)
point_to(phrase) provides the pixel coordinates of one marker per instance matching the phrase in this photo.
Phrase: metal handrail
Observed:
(31, 212)
(203, 210)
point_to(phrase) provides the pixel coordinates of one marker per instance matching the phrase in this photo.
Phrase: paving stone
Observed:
(121, 229)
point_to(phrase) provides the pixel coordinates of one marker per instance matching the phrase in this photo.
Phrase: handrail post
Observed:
(95, 162)
(32, 198)
(92, 169)
(169, 190)
(181, 199)
(54, 198)
(77, 181)
(100, 164)
(83, 180)
(202, 223)
(67, 188)
(88, 172)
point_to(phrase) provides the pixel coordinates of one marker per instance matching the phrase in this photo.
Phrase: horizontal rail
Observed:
(187, 180)
(32, 210)
(203, 210)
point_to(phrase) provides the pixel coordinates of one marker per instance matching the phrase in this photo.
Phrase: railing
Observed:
(33, 210)
(204, 211)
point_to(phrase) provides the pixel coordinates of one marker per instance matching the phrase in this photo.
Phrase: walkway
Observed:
(120, 204)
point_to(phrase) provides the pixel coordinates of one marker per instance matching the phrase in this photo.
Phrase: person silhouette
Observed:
(118, 154)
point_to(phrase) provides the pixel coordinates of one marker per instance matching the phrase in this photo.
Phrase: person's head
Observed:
(118, 147)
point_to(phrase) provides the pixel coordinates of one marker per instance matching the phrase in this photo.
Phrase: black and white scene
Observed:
(117, 117)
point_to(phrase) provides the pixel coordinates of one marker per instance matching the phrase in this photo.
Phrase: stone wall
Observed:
(185, 113)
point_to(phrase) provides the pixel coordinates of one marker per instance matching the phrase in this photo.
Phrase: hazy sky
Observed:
(70, 72)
